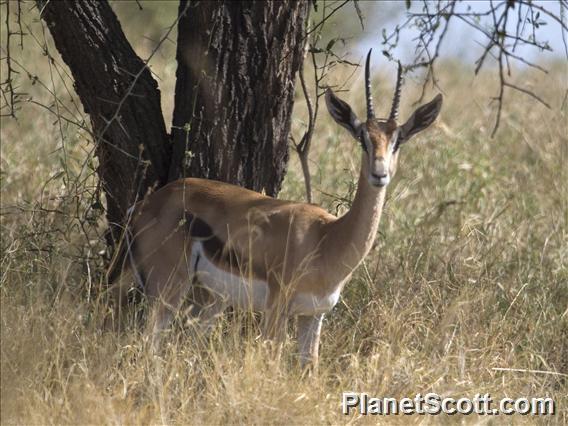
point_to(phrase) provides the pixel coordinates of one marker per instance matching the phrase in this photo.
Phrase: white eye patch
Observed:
(366, 141)
(394, 140)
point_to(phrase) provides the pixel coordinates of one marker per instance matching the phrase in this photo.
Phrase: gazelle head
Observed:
(381, 138)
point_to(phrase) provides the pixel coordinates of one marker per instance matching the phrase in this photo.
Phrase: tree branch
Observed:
(500, 38)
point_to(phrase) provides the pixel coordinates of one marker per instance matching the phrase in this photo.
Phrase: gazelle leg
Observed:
(165, 304)
(161, 315)
(309, 330)
(205, 314)
(274, 324)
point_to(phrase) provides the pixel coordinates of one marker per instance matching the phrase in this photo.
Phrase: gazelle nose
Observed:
(379, 176)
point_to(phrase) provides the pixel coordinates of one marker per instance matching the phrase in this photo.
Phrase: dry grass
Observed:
(469, 273)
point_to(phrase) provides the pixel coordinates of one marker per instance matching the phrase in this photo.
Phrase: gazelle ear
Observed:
(422, 118)
(342, 113)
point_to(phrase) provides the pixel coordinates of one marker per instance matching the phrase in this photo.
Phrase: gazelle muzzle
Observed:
(379, 172)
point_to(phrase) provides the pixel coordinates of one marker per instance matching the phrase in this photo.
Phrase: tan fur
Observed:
(297, 254)
(282, 239)
(296, 247)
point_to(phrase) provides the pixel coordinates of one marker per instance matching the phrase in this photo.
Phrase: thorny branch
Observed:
(80, 200)
(9, 94)
(494, 23)
(320, 72)
(303, 148)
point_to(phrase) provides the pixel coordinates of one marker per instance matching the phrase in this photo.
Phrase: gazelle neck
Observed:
(351, 237)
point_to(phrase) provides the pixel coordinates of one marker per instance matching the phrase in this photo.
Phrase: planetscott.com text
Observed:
(431, 403)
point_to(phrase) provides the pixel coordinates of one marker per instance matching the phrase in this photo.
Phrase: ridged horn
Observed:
(370, 108)
(396, 98)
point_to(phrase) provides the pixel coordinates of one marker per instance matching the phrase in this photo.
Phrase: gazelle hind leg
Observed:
(205, 310)
(159, 319)
(205, 313)
(165, 304)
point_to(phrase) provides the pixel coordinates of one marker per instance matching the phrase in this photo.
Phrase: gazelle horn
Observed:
(370, 108)
(396, 98)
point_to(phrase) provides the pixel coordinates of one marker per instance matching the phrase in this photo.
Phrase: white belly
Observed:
(235, 289)
(246, 293)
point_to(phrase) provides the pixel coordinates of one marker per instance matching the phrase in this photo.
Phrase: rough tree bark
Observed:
(233, 100)
(120, 96)
(237, 63)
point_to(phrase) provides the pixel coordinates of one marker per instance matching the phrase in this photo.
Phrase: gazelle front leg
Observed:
(273, 329)
(274, 324)
(309, 330)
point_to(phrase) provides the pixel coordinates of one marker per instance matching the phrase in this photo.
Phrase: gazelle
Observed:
(243, 249)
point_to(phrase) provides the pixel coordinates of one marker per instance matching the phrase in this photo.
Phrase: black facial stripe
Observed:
(363, 144)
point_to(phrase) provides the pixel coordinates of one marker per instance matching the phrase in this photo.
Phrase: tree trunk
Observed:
(120, 96)
(234, 95)
(233, 102)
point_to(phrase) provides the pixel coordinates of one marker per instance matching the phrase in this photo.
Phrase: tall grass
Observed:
(469, 273)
